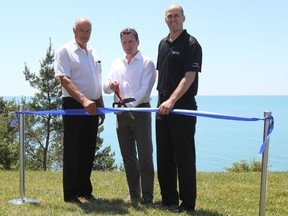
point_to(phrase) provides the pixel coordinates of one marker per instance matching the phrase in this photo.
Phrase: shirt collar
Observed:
(76, 46)
(138, 56)
(181, 35)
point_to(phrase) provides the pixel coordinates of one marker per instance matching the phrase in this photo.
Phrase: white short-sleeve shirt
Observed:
(83, 68)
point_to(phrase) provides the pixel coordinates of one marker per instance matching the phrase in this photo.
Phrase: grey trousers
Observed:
(134, 137)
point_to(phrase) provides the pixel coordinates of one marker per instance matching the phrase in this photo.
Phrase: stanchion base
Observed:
(22, 201)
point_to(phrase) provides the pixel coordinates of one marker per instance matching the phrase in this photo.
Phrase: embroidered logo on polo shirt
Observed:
(175, 53)
(196, 65)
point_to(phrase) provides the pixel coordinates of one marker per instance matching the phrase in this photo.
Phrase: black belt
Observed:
(95, 100)
(165, 94)
(147, 104)
(74, 99)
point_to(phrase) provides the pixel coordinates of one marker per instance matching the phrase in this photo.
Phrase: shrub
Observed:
(244, 166)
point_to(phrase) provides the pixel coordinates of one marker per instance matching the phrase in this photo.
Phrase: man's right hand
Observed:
(90, 107)
(114, 85)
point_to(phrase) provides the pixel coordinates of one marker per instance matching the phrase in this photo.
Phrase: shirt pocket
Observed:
(76, 64)
(98, 66)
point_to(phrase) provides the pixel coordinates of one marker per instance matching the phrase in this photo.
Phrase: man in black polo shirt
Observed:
(179, 61)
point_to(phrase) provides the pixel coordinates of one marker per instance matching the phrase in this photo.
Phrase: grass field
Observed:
(218, 194)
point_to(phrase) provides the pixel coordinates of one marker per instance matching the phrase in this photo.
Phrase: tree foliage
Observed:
(8, 135)
(244, 166)
(104, 160)
(44, 133)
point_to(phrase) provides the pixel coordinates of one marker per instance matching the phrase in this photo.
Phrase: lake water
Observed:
(220, 143)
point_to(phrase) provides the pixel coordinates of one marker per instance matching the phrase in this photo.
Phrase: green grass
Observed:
(218, 194)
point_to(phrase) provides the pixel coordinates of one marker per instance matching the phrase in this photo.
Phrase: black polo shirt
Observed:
(175, 59)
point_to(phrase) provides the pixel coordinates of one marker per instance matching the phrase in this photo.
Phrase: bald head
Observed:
(174, 7)
(81, 21)
(82, 31)
(174, 19)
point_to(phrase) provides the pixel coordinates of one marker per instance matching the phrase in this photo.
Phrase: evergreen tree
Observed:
(44, 133)
(104, 161)
(8, 136)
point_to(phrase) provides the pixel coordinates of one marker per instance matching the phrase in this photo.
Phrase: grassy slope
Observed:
(218, 194)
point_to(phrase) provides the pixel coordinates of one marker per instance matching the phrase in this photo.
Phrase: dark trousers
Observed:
(80, 135)
(134, 137)
(176, 155)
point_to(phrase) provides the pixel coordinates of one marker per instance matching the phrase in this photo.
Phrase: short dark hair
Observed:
(129, 31)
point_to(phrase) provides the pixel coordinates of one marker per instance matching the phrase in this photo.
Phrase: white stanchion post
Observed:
(264, 172)
(22, 162)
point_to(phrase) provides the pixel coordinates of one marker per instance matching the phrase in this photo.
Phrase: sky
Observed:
(244, 43)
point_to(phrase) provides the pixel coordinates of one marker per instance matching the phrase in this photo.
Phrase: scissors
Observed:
(122, 102)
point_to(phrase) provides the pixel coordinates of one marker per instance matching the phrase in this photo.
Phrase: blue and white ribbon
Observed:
(175, 111)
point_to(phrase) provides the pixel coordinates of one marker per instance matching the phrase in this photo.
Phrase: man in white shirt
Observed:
(79, 71)
(134, 75)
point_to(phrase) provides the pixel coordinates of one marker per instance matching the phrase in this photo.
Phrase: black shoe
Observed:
(183, 208)
(90, 198)
(72, 199)
(178, 209)
(166, 205)
(146, 202)
(133, 200)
